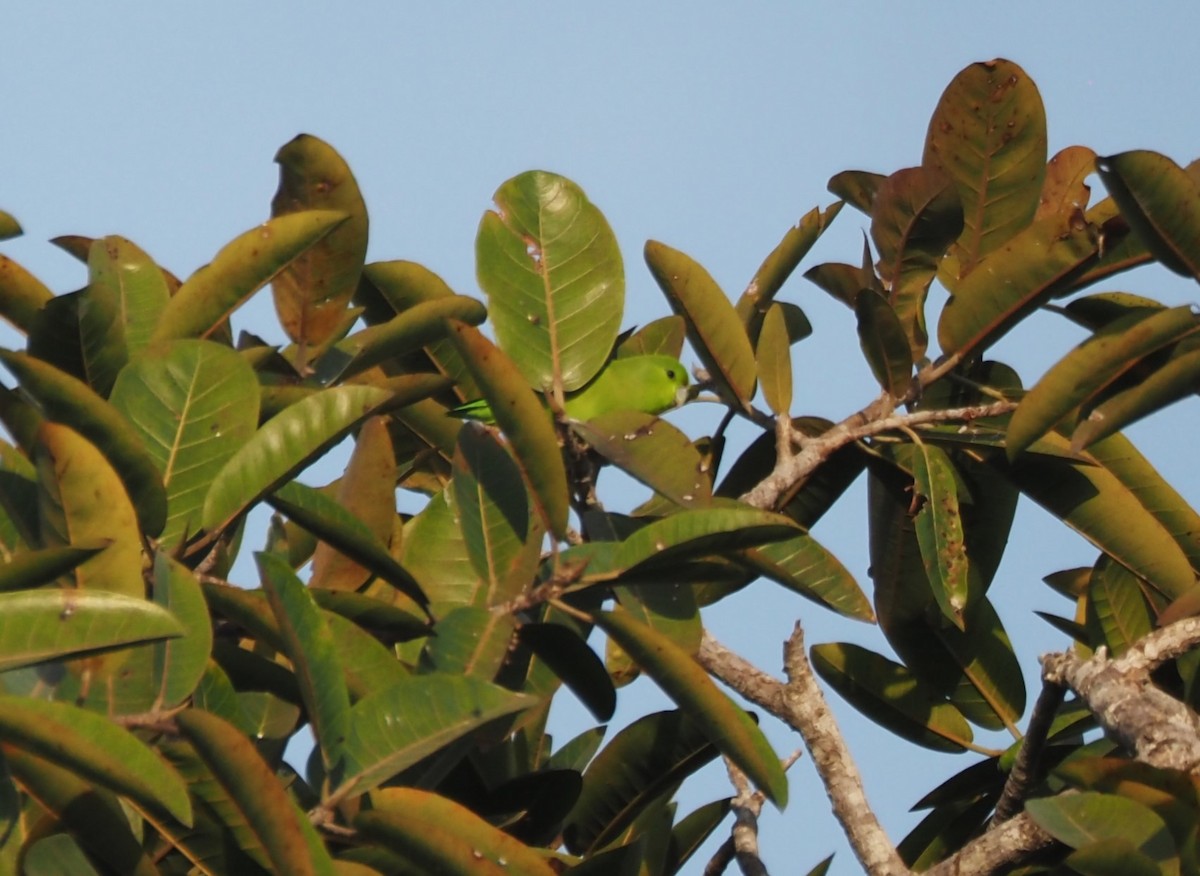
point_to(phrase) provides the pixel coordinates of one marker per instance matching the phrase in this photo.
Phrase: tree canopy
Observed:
(150, 691)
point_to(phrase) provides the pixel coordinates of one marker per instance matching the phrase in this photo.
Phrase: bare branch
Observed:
(1024, 771)
(1013, 841)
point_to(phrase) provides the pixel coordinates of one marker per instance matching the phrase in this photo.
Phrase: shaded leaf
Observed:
(774, 360)
(726, 725)
(940, 531)
(33, 568)
(882, 338)
(570, 658)
(1078, 820)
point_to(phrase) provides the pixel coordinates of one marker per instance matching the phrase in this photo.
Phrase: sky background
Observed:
(709, 126)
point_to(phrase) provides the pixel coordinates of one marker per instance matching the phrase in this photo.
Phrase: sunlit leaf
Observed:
(554, 278)
(773, 357)
(940, 531)
(22, 295)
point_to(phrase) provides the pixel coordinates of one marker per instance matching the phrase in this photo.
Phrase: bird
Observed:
(650, 383)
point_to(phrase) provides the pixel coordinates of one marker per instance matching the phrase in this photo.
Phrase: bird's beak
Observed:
(681, 396)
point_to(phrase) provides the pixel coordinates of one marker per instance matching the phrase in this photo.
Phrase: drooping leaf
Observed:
(570, 658)
(522, 419)
(33, 568)
(179, 663)
(554, 278)
(97, 749)
(269, 819)
(285, 445)
(334, 525)
(803, 565)
(193, 404)
(1161, 201)
(713, 327)
(652, 451)
(312, 291)
(22, 295)
(892, 696)
(68, 400)
(40, 625)
(988, 134)
(241, 268)
(441, 836)
(681, 678)
(940, 531)
(857, 188)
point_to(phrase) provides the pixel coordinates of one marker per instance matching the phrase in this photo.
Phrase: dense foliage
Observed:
(148, 700)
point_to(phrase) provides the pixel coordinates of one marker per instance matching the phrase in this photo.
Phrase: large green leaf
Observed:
(727, 726)
(502, 536)
(434, 551)
(444, 837)
(193, 404)
(1078, 820)
(309, 645)
(882, 336)
(652, 451)
(1161, 201)
(261, 808)
(1093, 366)
(241, 268)
(179, 663)
(1117, 612)
(522, 418)
(81, 501)
(41, 625)
(892, 696)
(773, 357)
(646, 760)
(469, 640)
(552, 271)
(283, 446)
(713, 327)
(312, 291)
(916, 215)
(803, 565)
(68, 400)
(988, 134)
(97, 749)
(939, 529)
(394, 728)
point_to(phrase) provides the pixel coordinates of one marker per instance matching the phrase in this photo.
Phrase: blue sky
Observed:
(710, 126)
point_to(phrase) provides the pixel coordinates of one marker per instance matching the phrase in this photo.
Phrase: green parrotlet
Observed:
(648, 383)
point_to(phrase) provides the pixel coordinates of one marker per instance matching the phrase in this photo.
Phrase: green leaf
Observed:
(9, 226)
(22, 295)
(57, 855)
(727, 726)
(882, 338)
(261, 809)
(577, 665)
(40, 625)
(179, 663)
(502, 536)
(1116, 608)
(283, 446)
(916, 216)
(803, 565)
(774, 360)
(96, 749)
(394, 728)
(685, 534)
(653, 451)
(33, 568)
(444, 837)
(194, 404)
(1012, 281)
(713, 327)
(891, 696)
(754, 303)
(940, 531)
(469, 640)
(434, 551)
(857, 188)
(1161, 201)
(1112, 856)
(330, 522)
(552, 271)
(309, 645)
(659, 337)
(988, 134)
(641, 764)
(694, 829)
(207, 298)
(68, 400)
(313, 290)
(81, 501)
(1078, 820)
(1093, 366)
(520, 416)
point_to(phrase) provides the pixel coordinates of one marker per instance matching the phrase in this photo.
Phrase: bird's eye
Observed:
(671, 373)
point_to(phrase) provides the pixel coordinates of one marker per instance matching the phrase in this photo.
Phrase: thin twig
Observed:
(1024, 771)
